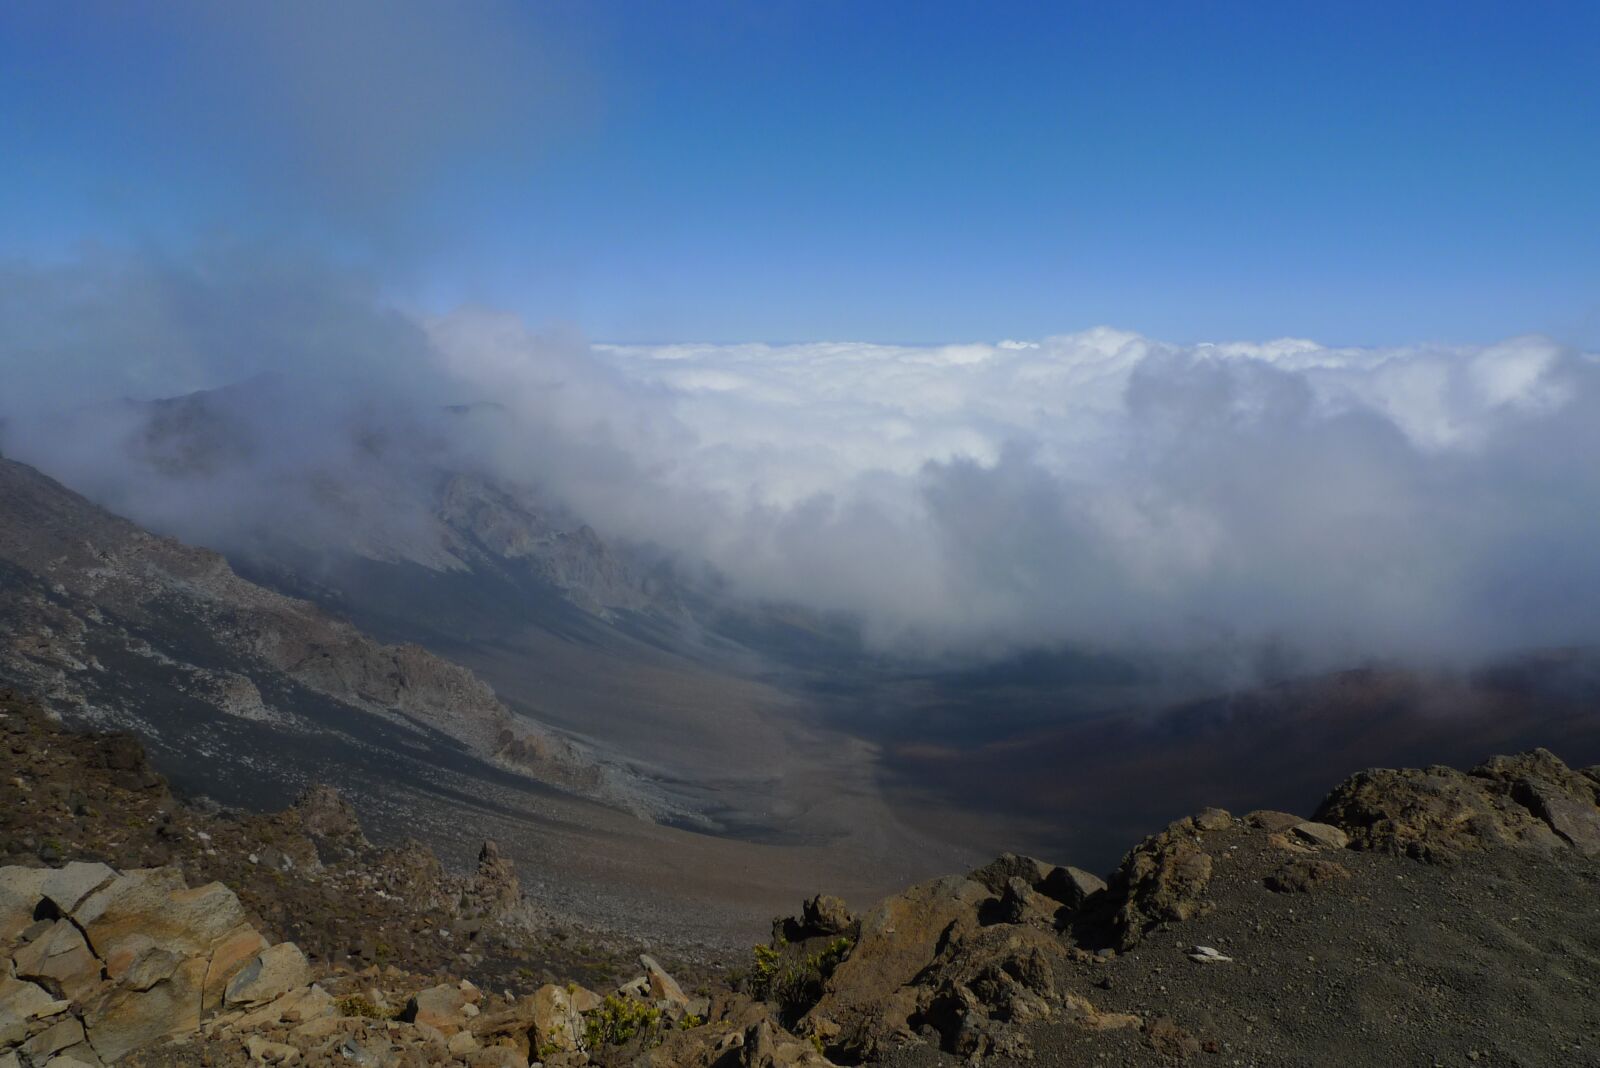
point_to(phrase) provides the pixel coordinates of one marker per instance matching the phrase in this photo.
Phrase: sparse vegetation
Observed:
(793, 981)
(619, 1021)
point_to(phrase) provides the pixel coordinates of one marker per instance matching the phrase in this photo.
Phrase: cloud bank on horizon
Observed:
(1099, 488)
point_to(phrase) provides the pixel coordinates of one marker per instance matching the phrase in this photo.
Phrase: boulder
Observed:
(440, 1007)
(495, 887)
(59, 959)
(1021, 903)
(67, 886)
(1304, 876)
(869, 1000)
(229, 955)
(1529, 801)
(122, 1019)
(324, 813)
(1322, 834)
(1162, 880)
(155, 903)
(1073, 887)
(1007, 866)
(1212, 819)
(63, 1034)
(271, 972)
(1272, 821)
(21, 890)
(663, 987)
(557, 1024)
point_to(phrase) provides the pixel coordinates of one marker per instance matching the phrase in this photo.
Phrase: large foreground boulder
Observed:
(97, 963)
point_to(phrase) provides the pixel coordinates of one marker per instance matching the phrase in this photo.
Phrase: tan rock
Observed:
(229, 955)
(583, 999)
(496, 1057)
(1322, 834)
(438, 1007)
(1267, 819)
(557, 1025)
(272, 972)
(138, 962)
(461, 1043)
(60, 958)
(64, 1033)
(123, 1019)
(263, 1051)
(67, 886)
(24, 1001)
(663, 987)
(292, 1007)
(79, 1056)
(21, 889)
(154, 903)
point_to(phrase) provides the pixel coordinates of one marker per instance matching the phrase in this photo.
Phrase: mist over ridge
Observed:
(1100, 488)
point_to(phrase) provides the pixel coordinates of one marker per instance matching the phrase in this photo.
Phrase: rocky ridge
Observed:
(1422, 916)
(120, 628)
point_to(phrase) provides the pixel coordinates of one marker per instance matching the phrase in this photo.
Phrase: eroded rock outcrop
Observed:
(98, 963)
(1529, 801)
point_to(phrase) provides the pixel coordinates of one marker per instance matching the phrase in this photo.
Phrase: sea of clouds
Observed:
(1097, 488)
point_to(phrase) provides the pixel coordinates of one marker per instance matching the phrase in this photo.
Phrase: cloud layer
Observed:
(1099, 488)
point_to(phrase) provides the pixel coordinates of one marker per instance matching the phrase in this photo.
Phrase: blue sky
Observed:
(1354, 173)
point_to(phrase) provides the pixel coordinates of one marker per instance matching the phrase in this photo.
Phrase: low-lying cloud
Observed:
(1098, 488)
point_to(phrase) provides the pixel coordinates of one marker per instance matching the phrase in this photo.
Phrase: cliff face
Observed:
(119, 627)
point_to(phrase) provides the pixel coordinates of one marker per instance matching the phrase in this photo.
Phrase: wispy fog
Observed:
(1099, 488)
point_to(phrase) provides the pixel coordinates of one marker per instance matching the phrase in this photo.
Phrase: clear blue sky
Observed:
(1356, 173)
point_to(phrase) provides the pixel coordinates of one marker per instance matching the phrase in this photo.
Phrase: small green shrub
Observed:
(619, 1021)
(793, 983)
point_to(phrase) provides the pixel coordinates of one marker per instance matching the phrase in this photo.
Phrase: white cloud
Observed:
(1101, 488)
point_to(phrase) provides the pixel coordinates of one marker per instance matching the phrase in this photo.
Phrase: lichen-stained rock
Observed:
(59, 959)
(123, 1019)
(1073, 887)
(663, 987)
(1163, 880)
(21, 889)
(272, 972)
(1321, 834)
(155, 903)
(67, 886)
(983, 988)
(557, 1026)
(1528, 801)
(870, 998)
(229, 955)
(440, 1007)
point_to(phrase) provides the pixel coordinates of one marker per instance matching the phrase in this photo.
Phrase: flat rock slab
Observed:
(1322, 834)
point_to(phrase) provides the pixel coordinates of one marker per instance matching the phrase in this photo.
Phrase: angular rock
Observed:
(1575, 820)
(495, 887)
(155, 903)
(1072, 886)
(64, 1033)
(1322, 834)
(827, 915)
(59, 959)
(1212, 819)
(138, 962)
(324, 813)
(24, 1001)
(663, 987)
(439, 1007)
(1267, 819)
(67, 886)
(21, 890)
(1007, 866)
(557, 1025)
(123, 1019)
(869, 1001)
(272, 972)
(1021, 903)
(1163, 880)
(229, 955)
